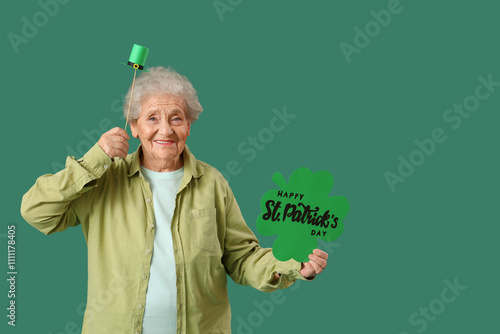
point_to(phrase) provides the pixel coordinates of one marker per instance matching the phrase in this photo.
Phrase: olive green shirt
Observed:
(113, 203)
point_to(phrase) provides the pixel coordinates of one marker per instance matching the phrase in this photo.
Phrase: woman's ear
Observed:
(133, 128)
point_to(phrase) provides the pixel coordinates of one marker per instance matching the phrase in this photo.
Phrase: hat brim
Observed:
(134, 67)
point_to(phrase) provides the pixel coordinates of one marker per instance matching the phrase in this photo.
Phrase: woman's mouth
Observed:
(164, 142)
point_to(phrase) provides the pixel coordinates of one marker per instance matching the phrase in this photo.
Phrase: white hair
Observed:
(160, 80)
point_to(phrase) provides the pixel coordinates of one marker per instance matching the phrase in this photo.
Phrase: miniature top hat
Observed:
(138, 57)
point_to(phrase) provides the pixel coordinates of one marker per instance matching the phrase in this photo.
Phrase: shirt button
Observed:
(140, 306)
(105, 166)
(144, 277)
(152, 225)
(148, 200)
(137, 333)
(148, 251)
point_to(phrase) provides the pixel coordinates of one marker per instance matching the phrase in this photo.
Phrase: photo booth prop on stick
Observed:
(137, 60)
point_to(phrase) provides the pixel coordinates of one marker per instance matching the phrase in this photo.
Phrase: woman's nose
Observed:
(165, 127)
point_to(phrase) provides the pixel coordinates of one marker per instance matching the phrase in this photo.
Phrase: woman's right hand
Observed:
(115, 143)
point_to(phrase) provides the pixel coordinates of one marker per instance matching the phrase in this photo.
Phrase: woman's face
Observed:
(162, 128)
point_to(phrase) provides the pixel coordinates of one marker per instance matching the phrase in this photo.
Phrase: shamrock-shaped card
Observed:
(300, 212)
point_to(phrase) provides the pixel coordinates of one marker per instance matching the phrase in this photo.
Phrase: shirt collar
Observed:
(191, 169)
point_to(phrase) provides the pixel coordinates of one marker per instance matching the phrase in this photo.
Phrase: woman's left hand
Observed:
(316, 264)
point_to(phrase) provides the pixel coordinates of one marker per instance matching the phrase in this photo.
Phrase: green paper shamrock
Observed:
(300, 212)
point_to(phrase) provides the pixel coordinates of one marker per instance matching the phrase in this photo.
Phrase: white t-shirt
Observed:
(160, 314)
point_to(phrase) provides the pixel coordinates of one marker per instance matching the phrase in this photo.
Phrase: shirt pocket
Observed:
(204, 228)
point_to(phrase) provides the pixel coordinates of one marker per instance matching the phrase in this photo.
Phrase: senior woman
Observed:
(162, 228)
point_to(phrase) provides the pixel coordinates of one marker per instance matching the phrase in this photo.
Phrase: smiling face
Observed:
(162, 128)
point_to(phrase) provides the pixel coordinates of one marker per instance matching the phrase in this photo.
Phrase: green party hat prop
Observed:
(137, 60)
(138, 57)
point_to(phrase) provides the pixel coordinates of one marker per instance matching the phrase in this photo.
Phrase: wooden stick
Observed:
(130, 101)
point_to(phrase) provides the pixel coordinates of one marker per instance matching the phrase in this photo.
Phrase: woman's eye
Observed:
(176, 120)
(152, 119)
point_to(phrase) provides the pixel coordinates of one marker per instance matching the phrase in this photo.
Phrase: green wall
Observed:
(398, 100)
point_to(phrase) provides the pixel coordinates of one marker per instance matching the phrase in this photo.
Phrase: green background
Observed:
(353, 119)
